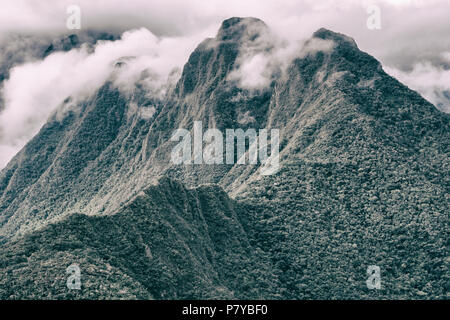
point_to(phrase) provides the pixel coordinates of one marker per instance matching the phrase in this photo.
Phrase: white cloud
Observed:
(430, 81)
(254, 72)
(266, 53)
(257, 69)
(412, 30)
(34, 90)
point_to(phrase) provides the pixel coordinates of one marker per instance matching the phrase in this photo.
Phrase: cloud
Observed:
(296, 18)
(411, 31)
(265, 54)
(432, 82)
(255, 65)
(34, 90)
(256, 70)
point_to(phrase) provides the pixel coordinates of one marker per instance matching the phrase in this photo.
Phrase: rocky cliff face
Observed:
(363, 181)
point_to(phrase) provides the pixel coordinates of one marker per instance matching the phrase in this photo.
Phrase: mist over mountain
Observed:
(17, 49)
(363, 180)
(24, 68)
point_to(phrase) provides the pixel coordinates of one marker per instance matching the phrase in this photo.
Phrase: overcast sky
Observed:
(413, 44)
(410, 29)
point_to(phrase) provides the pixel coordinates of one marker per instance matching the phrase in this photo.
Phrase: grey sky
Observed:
(411, 29)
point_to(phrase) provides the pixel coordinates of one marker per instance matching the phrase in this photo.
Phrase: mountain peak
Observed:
(234, 34)
(337, 37)
(237, 28)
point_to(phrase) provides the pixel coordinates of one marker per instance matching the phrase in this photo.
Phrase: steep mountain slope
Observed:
(364, 181)
(364, 176)
(17, 49)
(168, 243)
(103, 152)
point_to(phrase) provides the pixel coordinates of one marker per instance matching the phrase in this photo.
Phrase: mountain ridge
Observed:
(163, 229)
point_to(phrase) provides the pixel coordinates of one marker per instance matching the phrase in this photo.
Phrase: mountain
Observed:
(17, 49)
(363, 181)
(169, 242)
(88, 38)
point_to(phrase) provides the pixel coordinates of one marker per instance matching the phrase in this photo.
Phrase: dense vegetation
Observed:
(364, 180)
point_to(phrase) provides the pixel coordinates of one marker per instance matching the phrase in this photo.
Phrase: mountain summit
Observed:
(240, 29)
(364, 170)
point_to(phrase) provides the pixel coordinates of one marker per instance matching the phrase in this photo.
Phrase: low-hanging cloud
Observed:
(265, 54)
(34, 90)
(432, 82)
(410, 29)
(256, 69)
